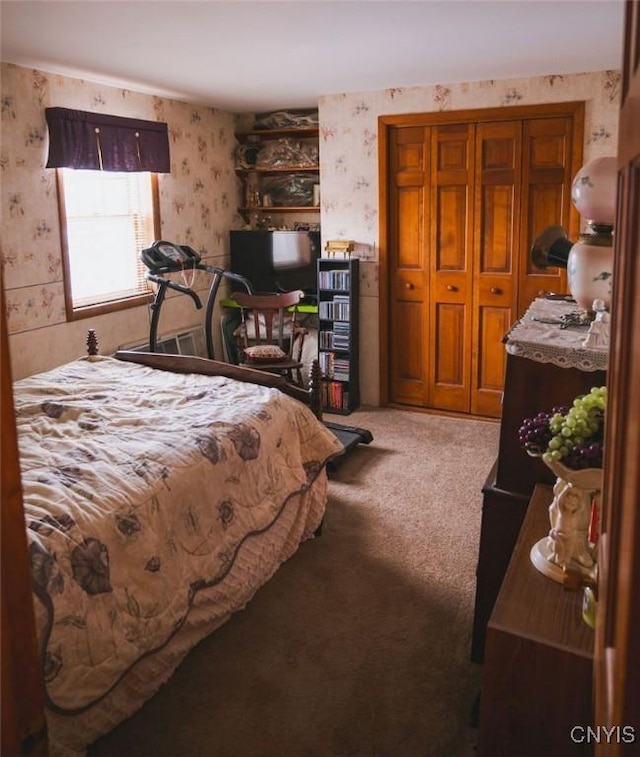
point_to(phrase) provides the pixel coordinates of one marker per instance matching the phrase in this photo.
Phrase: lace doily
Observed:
(538, 336)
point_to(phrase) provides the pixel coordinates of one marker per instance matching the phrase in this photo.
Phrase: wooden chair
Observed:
(269, 337)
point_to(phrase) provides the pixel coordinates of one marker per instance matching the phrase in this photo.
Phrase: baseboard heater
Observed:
(191, 342)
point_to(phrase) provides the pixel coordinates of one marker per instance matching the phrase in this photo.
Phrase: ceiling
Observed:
(244, 56)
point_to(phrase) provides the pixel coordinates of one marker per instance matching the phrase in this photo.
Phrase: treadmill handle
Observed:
(177, 286)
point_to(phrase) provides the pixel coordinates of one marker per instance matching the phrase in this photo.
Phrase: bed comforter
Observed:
(144, 489)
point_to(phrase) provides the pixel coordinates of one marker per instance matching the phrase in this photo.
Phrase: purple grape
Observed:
(534, 434)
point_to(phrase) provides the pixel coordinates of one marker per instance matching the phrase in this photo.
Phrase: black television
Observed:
(277, 261)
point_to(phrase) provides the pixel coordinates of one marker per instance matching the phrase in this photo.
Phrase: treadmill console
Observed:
(167, 257)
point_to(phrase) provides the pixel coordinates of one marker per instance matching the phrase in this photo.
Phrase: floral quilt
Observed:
(140, 489)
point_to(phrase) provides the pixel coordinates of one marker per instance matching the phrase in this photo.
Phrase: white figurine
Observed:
(598, 336)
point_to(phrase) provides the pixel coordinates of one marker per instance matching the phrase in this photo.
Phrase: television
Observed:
(277, 261)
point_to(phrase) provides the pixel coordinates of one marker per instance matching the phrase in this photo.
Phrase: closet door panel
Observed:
(494, 324)
(496, 242)
(497, 227)
(451, 287)
(450, 369)
(409, 162)
(451, 232)
(411, 350)
(548, 168)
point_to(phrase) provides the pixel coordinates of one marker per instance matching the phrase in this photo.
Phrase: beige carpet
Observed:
(359, 646)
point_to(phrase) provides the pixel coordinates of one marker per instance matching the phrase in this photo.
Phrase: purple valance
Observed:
(79, 139)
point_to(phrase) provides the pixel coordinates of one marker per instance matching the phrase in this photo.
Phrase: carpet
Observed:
(359, 646)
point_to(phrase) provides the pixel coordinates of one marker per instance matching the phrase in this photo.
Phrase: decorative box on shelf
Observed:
(339, 248)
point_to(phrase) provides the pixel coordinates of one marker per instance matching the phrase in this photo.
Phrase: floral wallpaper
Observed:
(198, 207)
(349, 162)
(199, 198)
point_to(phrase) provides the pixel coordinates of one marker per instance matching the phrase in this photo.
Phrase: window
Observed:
(106, 219)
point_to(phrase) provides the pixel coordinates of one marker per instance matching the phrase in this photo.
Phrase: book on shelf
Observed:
(334, 279)
(333, 367)
(335, 396)
(336, 309)
(336, 338)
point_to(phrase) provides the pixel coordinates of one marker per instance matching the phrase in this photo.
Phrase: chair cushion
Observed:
(264, 353)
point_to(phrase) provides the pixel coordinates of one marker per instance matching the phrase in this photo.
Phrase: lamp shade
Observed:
(594, 190)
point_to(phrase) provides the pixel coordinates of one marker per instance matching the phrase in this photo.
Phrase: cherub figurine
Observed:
(598, 336)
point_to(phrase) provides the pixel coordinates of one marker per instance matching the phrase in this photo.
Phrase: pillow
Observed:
(264, 353)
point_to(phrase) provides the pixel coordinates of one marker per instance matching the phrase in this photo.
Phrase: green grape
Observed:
(576, 437)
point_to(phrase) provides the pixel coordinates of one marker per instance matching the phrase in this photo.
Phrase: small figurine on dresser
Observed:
(598, 336)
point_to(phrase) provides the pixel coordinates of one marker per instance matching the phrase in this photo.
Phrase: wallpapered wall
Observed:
(349, 162)
(199, 198)
(198, 206)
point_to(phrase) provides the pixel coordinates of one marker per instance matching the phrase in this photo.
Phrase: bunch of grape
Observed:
(535, 433)
(577, 435)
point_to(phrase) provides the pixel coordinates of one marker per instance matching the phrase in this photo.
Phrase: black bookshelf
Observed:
(338, 329)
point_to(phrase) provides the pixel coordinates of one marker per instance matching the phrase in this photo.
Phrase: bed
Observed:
(157, 501)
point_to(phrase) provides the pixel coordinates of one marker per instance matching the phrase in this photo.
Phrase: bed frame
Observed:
(206, 367)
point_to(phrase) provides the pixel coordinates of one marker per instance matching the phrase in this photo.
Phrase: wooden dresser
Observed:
(537, 675)
(546, 367)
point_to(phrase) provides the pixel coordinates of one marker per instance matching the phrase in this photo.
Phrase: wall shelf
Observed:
(280, 209)
(265, 135)
(256, 178)
(280, 169)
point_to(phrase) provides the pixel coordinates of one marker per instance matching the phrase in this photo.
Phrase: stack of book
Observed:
(335, 395)
(336, 309)
(334, 279)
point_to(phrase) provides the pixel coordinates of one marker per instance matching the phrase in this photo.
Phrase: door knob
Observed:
(409, 285)
(451, 288)
(496, 290)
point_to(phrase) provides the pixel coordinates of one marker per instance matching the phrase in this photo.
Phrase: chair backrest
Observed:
(266, 318)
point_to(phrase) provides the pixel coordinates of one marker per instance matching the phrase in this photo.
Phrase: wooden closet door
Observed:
(548, 147)
(463, 196)
(498, 183)
(451, 266)
(409, 255)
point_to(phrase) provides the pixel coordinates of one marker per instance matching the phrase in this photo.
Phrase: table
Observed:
(546, 366)
(538, 336)
(537, 675)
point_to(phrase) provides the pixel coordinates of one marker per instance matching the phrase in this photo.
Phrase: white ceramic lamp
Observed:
(590, 261)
